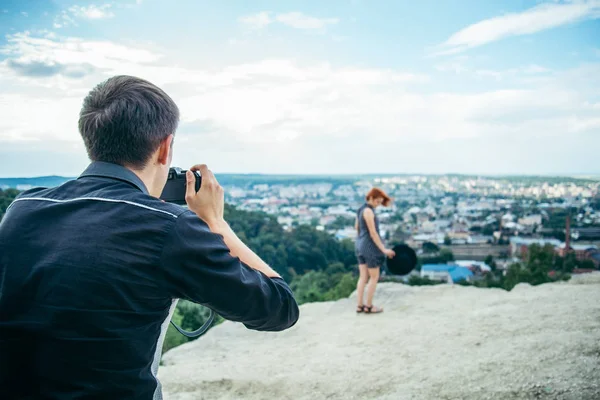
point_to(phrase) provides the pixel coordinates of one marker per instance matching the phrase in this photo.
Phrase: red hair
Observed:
(377, 193)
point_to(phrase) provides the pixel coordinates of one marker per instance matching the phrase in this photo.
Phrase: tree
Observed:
(416, 280)
(6, 198)
(569, 262)
(341, 222)
(194, 315)
(489, 260)
(516, 273)
(587, 264)
(289, 253)
(447, 255)
(489, 229)
(429, 247)
(539, 261)
(335, 268)
(316, 286)
(344, 287)
(310, 287)
(447, 241)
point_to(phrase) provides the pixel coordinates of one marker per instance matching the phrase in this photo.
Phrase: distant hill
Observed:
(242, 180)
(246, 180)
(24, 183)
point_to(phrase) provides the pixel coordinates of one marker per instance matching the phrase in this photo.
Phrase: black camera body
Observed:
(175, 188)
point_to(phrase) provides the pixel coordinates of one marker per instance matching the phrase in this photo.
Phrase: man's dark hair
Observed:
(124, 119)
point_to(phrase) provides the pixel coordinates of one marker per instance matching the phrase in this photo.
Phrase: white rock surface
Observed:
(432, 342)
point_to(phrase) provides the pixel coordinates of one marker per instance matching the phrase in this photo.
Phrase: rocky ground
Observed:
(432, 342)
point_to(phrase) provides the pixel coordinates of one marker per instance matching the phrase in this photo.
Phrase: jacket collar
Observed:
(114, 171)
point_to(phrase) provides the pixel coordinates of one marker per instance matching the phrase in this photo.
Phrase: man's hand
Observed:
(208, 203)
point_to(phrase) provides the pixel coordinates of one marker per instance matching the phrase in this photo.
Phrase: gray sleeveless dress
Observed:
(367, 251)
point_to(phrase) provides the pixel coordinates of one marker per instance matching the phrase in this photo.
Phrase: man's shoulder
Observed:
(73, 192)
(154, 204)
(33, 192)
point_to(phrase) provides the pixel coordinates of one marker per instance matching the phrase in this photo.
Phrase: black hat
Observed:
(403, 262)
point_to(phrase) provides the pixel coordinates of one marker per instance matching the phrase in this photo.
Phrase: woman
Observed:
(370, 249)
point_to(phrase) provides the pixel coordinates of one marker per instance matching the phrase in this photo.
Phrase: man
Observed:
(90, 270)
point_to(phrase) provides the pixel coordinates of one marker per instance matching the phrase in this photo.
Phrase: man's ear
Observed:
(165, 149)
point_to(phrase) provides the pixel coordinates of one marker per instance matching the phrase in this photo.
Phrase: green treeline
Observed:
(6, 197)
(318, 267)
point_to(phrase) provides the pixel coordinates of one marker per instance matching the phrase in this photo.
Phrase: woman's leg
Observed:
(373, 279)
(362, 282)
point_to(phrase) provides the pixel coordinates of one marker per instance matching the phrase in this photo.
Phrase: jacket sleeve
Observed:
(197, 266)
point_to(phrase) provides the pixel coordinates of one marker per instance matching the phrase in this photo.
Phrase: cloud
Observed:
(244, 98)
(69, 16)
(460, 66)
(299, 20)
(46, 69)
(296, 20)
(275, 111)
(63, 20)
(256, 21)
(512, 73)
(92, 11)
(26, 48)
(542, 17)
(34, 68)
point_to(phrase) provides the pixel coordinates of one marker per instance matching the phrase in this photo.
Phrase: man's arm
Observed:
(198, 265)
(240, 250)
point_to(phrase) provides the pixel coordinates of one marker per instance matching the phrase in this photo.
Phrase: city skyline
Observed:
(306, 88)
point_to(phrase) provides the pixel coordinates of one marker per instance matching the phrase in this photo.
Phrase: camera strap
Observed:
(200, 331)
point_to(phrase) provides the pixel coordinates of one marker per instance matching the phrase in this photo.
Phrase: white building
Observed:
(531, 220)
(346, 233)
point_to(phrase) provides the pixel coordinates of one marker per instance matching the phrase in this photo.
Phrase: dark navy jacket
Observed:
(89, 276)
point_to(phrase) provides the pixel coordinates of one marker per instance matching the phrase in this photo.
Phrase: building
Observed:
(346, 233)
(474, 265)
(582, 251)
(480, 239)
(460, 274)
(519, 246)
(450, 273)
(436, 272)
(479, 252)
(531, 220)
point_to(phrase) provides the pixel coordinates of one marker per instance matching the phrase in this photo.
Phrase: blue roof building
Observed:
(460, 274)
(446, 272)
(437, 267)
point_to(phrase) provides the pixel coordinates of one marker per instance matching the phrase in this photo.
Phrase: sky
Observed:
(314, 87)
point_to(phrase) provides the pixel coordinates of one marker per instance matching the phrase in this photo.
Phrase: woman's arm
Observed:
(369, 217)
(356, 225)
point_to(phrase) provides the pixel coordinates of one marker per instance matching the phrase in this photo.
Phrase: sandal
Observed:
(360, 309)
(372, 310)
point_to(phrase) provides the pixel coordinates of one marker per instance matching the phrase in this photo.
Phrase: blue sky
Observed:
(353, 86)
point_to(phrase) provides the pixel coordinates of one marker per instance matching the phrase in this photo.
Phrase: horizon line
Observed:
(581, 175)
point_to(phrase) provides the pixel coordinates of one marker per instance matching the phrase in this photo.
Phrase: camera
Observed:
(174, 192)
(175, 188)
